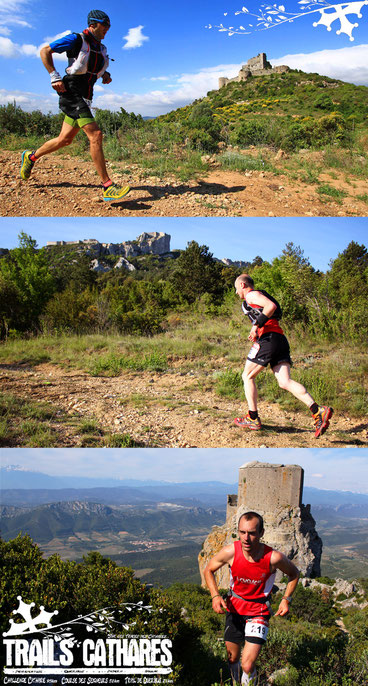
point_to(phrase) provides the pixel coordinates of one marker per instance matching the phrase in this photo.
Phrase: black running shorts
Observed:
(272, 348)
(72, 102)
(240, 628)
(74, 106)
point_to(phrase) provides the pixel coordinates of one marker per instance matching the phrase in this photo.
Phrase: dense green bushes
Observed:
(309, 643)
(293, 134)
(53, 292)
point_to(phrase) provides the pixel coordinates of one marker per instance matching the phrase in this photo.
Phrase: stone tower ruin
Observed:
(275, 492)
(256, 66)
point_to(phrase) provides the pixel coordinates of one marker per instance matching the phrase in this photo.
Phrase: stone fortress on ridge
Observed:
(275, 492)
(256, 66)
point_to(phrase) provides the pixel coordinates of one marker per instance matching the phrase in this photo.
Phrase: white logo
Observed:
(62, 649)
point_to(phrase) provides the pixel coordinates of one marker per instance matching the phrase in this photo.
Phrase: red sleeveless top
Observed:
(271, 325)
(253, 581)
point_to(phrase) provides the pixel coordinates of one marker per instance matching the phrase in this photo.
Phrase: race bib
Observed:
(253, 351)
(256, 629)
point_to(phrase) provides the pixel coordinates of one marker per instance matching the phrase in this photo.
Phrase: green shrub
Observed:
(229, 384)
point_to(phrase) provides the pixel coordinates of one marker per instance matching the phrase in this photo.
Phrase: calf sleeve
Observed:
(235, 671)
(249, 679)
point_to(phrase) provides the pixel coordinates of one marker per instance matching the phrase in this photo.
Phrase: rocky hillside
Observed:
(292, 94)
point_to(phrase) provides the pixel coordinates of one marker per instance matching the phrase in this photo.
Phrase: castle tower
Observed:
(275, 492)
(270, 485)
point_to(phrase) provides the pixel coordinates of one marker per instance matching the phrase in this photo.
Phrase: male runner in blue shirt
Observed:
(88, 61)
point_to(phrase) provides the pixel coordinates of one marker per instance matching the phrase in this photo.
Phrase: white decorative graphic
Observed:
(269, 16)
(31, 624)
(101, 621)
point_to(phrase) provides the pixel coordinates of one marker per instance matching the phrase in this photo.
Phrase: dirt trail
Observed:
(68, 186)
(169, 409)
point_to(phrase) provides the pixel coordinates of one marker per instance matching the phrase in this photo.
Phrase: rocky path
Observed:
(169, 409)
(62, 185)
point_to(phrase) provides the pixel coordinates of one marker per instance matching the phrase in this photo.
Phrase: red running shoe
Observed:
(322, 420)
(248, 423)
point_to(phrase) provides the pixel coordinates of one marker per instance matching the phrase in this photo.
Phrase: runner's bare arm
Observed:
(281, 562)
(48, 63)
(257, 298)
(225, 556)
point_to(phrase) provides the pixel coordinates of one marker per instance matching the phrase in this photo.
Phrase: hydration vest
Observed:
(253, 312)
(79, 65)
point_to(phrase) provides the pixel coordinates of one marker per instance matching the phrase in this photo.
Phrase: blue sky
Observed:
(344, 469)
(321, 238)
(165, 56)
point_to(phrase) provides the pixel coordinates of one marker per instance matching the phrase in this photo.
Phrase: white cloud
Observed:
(318, 476)
(10, 50)
(12, 12)
(30, 101)
(134, 38)
(346, 64)
(160, 78)
(187, 88)
(98, 89)
(50, 39)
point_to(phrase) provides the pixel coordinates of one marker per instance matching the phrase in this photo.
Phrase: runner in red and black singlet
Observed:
(87, 61)
(252, 572)
(270, 346)
(250, 583)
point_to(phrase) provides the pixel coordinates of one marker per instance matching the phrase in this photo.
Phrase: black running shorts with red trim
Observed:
(272, 348)
(240, 628)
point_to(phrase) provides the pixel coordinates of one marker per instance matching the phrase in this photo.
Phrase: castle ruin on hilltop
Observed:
(256, 66)
(275, 492)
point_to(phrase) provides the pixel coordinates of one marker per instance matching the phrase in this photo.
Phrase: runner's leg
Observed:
(94, 134)
(251, 370)
(249, 657)
(65, 137)
(282, 374)
(233, 656)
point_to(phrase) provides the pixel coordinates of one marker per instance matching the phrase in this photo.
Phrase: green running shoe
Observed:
(27, 164)
(114, 192)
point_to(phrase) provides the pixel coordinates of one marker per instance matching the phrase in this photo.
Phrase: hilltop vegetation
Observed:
(290, 111)
(314, 649)
(55, 291)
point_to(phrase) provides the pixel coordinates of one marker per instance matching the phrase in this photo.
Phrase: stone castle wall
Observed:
(256, 66)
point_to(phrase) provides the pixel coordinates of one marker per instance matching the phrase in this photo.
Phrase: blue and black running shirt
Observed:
(71, 44)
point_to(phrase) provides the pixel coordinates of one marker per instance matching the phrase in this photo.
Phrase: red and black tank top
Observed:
(253, 581)
(253, 311)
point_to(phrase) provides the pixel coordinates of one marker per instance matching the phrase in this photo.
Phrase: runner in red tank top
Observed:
(252, 571)
(270, 346)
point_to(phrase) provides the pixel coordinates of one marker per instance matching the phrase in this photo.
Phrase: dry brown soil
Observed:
(169, 409)
(67, 186)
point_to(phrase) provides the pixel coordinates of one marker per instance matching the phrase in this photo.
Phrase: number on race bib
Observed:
(253, 351)
(256, 630)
